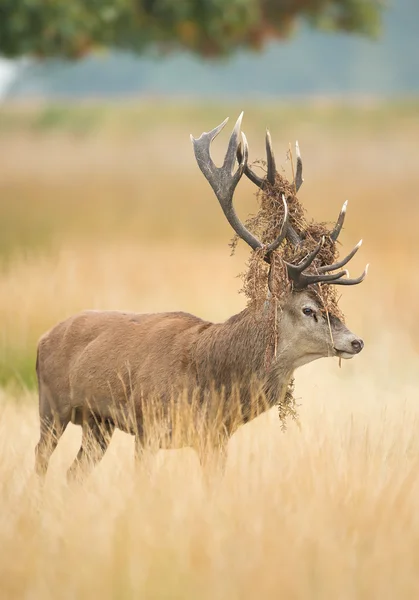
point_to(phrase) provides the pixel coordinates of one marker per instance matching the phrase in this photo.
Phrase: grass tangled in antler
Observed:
(266, 225)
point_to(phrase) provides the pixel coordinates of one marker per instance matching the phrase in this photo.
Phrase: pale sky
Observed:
(8, 69)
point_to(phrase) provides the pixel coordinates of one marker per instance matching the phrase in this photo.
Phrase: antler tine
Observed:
(271, 174)
(222, 179)
(295, 270)
(291, 234)
(339, 223)
(259, 181)
(302, 280)
(342, 262)
(298, 181)
(353, 281)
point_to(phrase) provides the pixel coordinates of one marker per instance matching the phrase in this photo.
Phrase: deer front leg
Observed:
(213, 458)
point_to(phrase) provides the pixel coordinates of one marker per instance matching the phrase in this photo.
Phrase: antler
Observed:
(291, 234)
(301, 280)
(298, 181)
(271, 166)
(223, 181)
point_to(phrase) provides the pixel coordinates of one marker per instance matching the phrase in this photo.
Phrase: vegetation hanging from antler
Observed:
(266, 225)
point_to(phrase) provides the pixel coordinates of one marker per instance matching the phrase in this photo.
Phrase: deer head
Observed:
(306, 324)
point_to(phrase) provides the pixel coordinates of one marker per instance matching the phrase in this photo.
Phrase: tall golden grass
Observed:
(109, 210)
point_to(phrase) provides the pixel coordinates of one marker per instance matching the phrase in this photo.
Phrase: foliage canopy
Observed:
(70, 29)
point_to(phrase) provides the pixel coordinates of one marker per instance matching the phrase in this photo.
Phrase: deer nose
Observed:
(357, 345)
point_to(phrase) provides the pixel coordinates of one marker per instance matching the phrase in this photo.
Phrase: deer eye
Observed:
(308, 311)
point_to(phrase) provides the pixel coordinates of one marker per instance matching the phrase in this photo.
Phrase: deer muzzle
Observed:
(350, 349)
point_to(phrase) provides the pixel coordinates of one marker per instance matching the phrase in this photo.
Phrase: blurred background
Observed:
(102, 204)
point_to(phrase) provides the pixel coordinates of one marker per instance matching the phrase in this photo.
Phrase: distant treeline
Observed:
(312, 62)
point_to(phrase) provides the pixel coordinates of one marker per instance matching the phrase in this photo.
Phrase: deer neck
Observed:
(280, 363)
(242, 352)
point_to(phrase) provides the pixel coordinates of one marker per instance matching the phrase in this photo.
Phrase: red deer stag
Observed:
(104, 369)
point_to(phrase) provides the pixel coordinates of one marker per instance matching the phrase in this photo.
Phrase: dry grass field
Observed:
(104, 207)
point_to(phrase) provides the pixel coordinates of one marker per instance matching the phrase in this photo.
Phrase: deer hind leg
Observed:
(96, 437)
(52, 428)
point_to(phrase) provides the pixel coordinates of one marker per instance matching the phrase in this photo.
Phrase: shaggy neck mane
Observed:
(235, 355)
